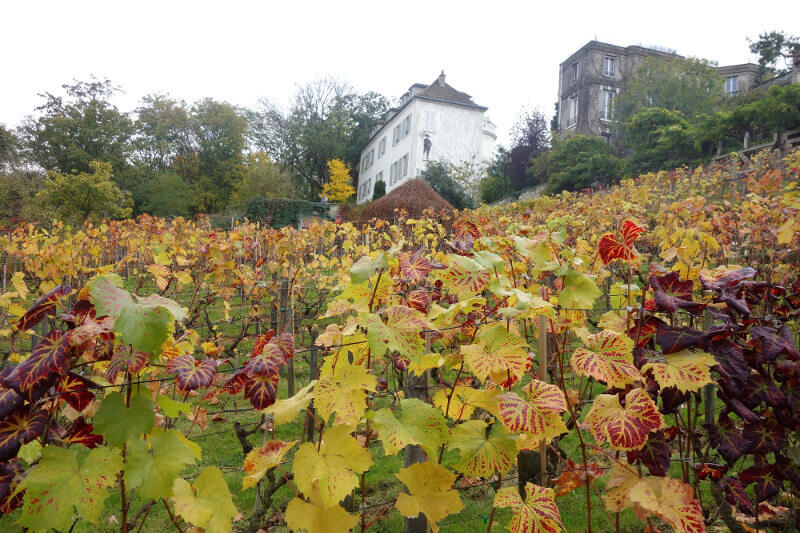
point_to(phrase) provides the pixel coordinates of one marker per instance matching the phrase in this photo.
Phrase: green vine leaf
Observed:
(118, 424)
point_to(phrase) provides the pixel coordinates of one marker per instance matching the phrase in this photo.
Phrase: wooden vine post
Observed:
(415, 387)
(285, 312)
(312, 374)
(532, 466)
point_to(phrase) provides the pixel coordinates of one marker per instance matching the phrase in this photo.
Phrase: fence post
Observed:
(415, 387)
(532, 466)
(312, 371)
(708, 390)
(285, 312)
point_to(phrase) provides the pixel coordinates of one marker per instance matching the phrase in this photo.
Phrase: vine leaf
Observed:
(484, 450)
(400, 333)
(538, 512)
(259, 460)
(332, 471)
(58, 485)
(342, 390)
(574, 476)
(367, 266)
(655, 454)
(580, 291)
(465, 400)
(10, 478)
(625, 428)
(44, 306)
(464, 277)
(414, 267)
(206, 503)
(50, 356)
(538, 414)
(727, 439)
(118, 424)
(497, 354)
(75, 390)
(144, 323)
(301, 515)
(152, 465)
(671, 294)
(611, 248)
(191, 374)
(418, 423)
(685, 370)
(172, 408)
(672, 500)
(125, 359)
(20, 427)
(260, 390)
(430, 493)
(286, 411)
(607, 357)
(736, 495)
(81, 432)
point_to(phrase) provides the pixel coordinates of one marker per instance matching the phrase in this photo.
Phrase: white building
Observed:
(433, 122)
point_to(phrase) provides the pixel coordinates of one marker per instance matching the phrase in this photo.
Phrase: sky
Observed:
(505, 54)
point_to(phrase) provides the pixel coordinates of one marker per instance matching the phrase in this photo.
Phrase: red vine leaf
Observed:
(191, 374)
(50, 356)
(44, 306)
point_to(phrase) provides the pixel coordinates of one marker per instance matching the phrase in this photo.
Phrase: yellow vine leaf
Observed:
(285, 411)
(341, 390)
(301, 515)
(332, 470)
(259, 460)
(685, 370)
(430, 493)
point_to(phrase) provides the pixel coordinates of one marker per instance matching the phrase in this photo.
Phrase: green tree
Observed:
(659, 139)
(497, 184)
(777, 53)
(327, 120)
(84, 196)
(83, 126)
(167, 195)
(163, 131)
(530, 137)
(581, 161)
(687, 85)
(261, 177)
(379, 190)
(9, 149)
(438, 175)
(220, 134)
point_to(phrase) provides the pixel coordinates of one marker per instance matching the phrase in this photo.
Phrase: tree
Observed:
(78, 128)
(326, 120)
(497, 185)
(220, 135)
(530, 136)
(84, 196)
(581, 161)
(9, 149)
(777, 53)
(379, 190)
(167, 195)
(687, 85)
(262, 177)
(163, 131)
(437, 175)
(339, 186)
(659, 139)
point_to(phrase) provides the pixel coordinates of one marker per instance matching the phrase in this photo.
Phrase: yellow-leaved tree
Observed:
(338, 188)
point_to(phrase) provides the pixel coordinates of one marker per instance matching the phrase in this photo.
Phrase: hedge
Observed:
(280, 212)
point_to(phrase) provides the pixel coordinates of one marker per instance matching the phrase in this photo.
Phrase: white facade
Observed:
(458, 132)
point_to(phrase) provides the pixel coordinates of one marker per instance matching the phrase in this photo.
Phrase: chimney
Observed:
(440, 79)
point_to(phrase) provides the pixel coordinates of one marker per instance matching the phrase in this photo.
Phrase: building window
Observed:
(401, 131)
(732, 84)
(608, 70)
(572, 116)
(398, 170)
(430, 120)
(608, 104)
(574, 72)
(381, 147)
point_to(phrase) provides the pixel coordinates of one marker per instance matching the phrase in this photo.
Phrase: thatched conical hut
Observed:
(413, 197)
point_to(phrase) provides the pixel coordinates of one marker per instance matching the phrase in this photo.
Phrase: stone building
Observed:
(432, 122)
(591, 79)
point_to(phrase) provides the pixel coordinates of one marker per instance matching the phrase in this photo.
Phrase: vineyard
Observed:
(622, 360)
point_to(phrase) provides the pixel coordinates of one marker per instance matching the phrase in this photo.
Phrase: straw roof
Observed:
(414, 197)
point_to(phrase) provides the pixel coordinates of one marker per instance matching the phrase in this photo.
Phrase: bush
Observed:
(659, 139)
(281, 212)
(379, 191)
(437, 175)
(167, 195)
(494, 188)
(579, 162)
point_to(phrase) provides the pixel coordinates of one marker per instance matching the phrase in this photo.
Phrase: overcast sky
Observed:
(505, 54)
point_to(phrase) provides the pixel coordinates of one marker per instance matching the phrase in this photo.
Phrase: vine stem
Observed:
(171, 516)
(491, 515)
